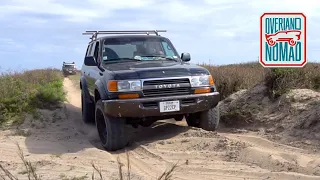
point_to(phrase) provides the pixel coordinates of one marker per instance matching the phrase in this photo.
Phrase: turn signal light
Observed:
(113, 86)
(202, 90)
(128, 96)
(211, 81)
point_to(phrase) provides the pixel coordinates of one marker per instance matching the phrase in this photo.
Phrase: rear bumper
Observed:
(149, 107)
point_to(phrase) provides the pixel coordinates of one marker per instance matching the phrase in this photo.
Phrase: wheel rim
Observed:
(101, 126)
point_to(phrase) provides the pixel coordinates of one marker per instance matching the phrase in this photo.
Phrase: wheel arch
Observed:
(100, 91)
(84, 88)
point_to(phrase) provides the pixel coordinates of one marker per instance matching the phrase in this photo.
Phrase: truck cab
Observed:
(133, 78)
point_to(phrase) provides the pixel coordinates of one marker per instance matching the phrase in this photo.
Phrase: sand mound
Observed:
(293, 118)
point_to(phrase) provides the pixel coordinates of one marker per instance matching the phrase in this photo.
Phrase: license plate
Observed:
(70, 71)
(169, 106)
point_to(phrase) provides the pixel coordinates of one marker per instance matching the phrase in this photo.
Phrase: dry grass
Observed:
(32, 174)
(24, 91)
(234, 77)
(29, 169)
(75, 79)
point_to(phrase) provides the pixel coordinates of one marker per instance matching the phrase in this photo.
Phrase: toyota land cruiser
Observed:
(137, 78)
(69, 68)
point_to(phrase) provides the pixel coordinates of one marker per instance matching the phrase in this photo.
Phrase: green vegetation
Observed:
(25, 91)
(234, 77)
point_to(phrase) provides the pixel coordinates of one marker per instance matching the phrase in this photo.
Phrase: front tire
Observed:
(87, 109)
(207, 120)
(111, 130)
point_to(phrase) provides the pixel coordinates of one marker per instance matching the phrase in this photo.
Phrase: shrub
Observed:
(234, 77)
(25, 91)
(280, 80)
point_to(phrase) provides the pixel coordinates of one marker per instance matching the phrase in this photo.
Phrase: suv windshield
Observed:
(140, 48)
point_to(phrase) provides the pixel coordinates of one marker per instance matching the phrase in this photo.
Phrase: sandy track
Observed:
(62, 145)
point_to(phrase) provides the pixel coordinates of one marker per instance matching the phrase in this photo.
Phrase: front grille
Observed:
(165, 81)
(154, 92)
(166, 92)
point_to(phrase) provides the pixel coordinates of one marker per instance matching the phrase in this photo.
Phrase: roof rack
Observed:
(68, 62)
(94, 34)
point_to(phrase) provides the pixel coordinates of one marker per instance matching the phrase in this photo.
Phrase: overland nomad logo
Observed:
(283, 40)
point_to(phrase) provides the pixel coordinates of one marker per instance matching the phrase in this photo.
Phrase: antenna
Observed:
(94, 34)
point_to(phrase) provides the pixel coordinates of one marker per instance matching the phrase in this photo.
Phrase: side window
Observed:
(96, 52)
(87, 50)
(167, 49)
(91, 52)
(90, 49)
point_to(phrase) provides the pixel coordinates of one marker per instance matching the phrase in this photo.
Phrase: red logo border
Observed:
(305, 42)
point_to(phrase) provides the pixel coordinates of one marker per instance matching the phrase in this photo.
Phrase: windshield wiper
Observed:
(120, 60)
(169, 58)
(164, 57)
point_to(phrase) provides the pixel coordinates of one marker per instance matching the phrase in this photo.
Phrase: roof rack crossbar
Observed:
(95, 33)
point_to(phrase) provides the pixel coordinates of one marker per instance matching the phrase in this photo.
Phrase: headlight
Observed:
(124, 85)
(199, 81)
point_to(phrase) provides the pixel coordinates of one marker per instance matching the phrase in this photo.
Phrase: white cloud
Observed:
(8, 45)
(94, 8)
(45, 48)
(48, 7)
(124, 4)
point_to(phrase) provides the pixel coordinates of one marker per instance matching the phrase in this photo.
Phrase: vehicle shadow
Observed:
(70, 134)
(63, 132)
(161, 130)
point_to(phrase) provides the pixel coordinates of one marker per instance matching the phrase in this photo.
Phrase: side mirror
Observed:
(185, 57)
(89, 61)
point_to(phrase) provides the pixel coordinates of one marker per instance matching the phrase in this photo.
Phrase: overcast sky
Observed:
(44, 33)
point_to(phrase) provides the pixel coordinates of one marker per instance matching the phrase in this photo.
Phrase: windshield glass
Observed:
(141, 48)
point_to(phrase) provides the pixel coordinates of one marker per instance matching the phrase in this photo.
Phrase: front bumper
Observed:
(69, 72)
(149, 107)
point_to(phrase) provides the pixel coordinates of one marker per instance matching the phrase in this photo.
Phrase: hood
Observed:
(154, 69)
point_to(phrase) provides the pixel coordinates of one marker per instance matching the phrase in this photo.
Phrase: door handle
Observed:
(101, 74)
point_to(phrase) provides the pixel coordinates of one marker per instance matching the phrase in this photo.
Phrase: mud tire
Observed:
(87, 110)
(111, 130)
(209, 120)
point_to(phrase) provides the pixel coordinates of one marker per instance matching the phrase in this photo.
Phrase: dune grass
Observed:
(24, 91)
(234, 77)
